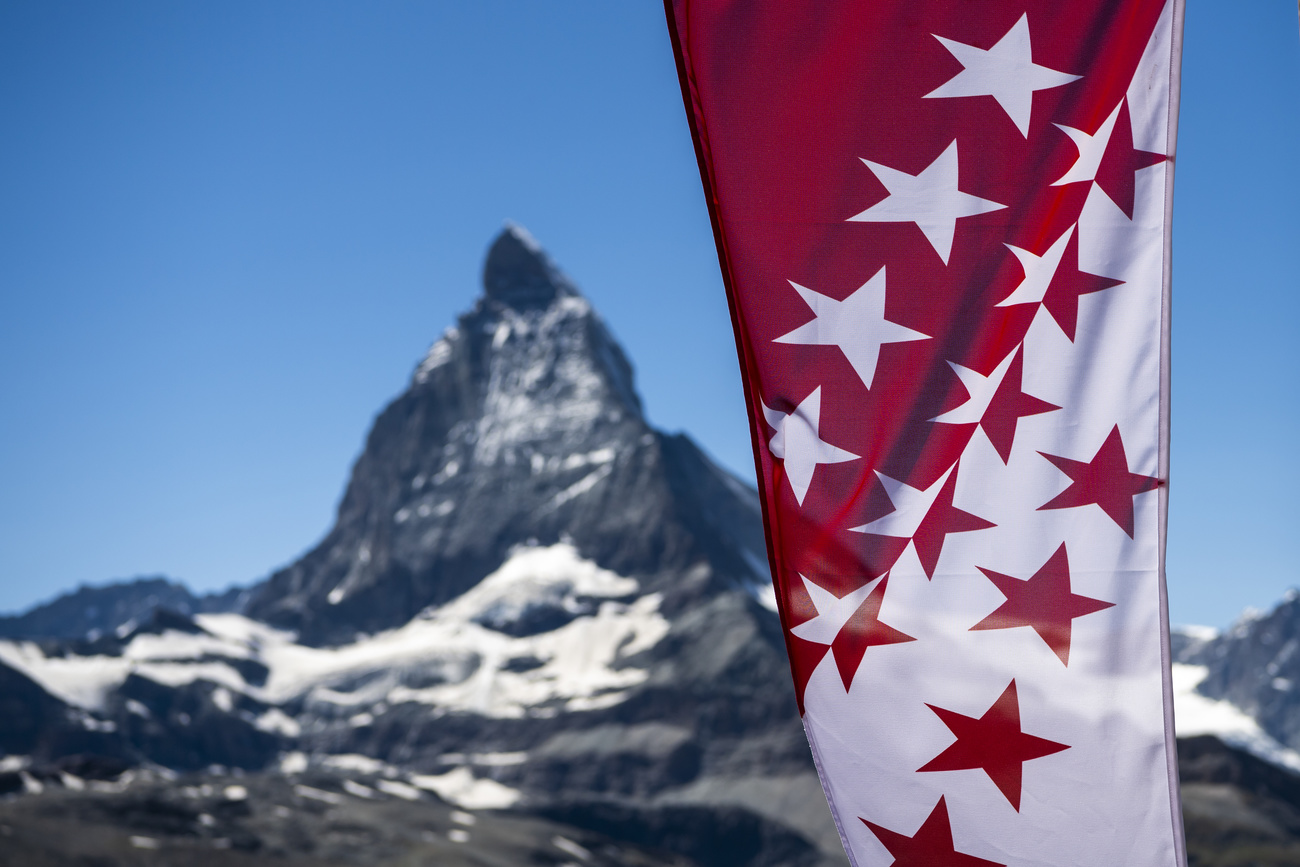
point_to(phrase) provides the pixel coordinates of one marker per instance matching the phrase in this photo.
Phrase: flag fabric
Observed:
(944, 232)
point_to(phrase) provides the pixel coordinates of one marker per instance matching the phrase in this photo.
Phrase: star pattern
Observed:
(863, 629)
(1105, 480)
(1044, 603)
(798, 443)
(968, 314)
(930, 846)
(1054, 280)
(924, 516)
(1005, 72)
(857, 325)
(993, 743)
(832, 611)
(849, 624)
(1107, 157)
(996, 402)
(929, 199)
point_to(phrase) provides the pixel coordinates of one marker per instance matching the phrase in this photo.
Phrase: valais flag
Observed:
(944, 231)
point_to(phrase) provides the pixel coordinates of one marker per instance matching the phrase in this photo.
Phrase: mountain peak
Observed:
(519, 274)
(521, 426)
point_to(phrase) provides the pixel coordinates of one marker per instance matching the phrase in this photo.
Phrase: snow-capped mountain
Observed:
(1243, 685)
(530, 599)
(521, 425)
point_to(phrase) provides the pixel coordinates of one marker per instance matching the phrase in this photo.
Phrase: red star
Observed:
(862, 630)
(1069, 283)
(1120, 161)
(1008, 406)
(993, 743)
(930, 846)
(1105, 480)
(805, 656)
(1044, 602)
(943, 518)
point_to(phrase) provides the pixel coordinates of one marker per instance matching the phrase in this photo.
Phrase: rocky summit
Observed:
(520, 427)
(530, 600)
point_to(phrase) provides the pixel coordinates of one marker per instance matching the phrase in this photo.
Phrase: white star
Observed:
(981, 390)
(798, 442)
(832, 612)
(910, 507)
(1091, 149)
(930, 199)
(1005, 72)
(857, 325)
(1039, 271)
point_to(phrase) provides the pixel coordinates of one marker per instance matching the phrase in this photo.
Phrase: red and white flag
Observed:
(944, 231)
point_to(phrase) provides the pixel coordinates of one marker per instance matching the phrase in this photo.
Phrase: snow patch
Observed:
(489, 760)
(277, 721)
(1195, 714)
(399, 790)
(580, 487)
(358, 790)
(356, 763)
(462, 788)
(1198, 633)
(317, 794)
(9, 764)
(568, 847)
(465, 665)
(293, 763)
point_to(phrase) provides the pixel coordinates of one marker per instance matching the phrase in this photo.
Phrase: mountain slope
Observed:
(521, 425)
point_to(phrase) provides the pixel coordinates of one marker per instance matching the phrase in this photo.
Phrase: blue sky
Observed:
(229, 231)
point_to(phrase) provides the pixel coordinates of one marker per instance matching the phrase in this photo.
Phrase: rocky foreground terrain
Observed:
(539, 632)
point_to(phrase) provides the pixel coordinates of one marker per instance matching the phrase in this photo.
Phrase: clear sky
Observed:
(228, 232)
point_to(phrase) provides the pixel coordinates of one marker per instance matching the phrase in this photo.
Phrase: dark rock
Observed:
(184, 728)
(719, 837)
(1237, 809)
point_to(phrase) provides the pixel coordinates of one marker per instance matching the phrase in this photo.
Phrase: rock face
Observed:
(521, 425)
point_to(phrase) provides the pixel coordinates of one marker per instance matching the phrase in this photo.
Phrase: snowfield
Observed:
(591, 621)
(1194, 714)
